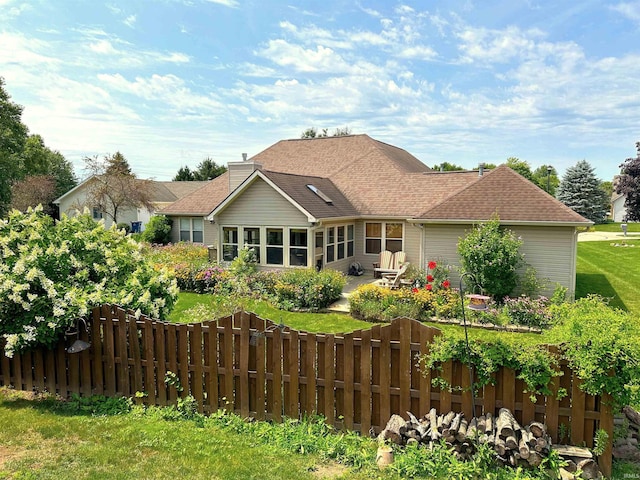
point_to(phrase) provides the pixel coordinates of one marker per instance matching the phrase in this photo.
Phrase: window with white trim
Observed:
(340, 245)
(192, 230)
(331, 243)
(229, 243)
(383, 236)
(350, 241)
(275, 246)
(298, 247)
(251, 237)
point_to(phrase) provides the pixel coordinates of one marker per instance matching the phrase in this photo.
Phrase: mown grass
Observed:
(310, 322)
(36, 442)
(615, 227)
(610, 271)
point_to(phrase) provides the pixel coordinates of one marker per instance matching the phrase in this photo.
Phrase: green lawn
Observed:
(310, 322)
(615, 227)
(38, 442)
(610, 271)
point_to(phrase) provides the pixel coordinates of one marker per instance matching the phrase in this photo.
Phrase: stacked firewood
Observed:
(513, 443)
(628, 433)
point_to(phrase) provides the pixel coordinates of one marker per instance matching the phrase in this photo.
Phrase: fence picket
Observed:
(365, 382)
(197, 376)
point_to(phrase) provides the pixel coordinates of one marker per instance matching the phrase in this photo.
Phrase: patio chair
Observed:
(384, 264)
(393, 280)
(389, 263)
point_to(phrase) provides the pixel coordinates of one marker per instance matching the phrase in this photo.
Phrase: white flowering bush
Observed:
(51, 273)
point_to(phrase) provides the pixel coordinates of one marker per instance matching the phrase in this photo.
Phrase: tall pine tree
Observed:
(581, 191)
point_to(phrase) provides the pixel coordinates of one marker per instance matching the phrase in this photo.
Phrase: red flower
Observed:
(414, 290)
(432, 265)
(429, 278)
(446, 284)
(428, 287)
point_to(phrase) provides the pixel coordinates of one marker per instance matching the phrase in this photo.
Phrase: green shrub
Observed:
(601, 345)
(528, 311)
(245, 263)
(491, 254)
(51, 273)
(308, 289)
(158, 230)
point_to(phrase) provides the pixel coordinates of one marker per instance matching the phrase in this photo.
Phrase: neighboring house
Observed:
(163, 194)
(618, 208)
(328, 202)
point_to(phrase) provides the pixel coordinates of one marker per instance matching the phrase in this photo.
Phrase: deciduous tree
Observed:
(33, 191)
(629, 185)
(114, 188)
(581, 191)
(13, 135)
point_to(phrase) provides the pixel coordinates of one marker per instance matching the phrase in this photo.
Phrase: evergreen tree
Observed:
(581, 191)
(208, 170)
(184, 175)
(629, 185)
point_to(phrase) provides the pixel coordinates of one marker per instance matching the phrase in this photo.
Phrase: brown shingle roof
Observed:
(203, 200)
(295, 186)
(334, 156)
(182, 189)
(372, 178)
(505, 192)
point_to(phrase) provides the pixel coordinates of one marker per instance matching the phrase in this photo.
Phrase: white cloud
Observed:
(630, 10)
(226, 3)
(320, 59)
(497, 46)
(130, 21)
(418, 53)
(28, 52)
(103, 47)
(164, 89)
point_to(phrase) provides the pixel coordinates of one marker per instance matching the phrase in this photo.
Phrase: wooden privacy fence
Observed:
(251, 366)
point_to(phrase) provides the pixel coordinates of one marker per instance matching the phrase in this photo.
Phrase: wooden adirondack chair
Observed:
(392, 280)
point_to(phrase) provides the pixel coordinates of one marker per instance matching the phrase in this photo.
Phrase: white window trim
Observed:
(383, 239)
(191, 229)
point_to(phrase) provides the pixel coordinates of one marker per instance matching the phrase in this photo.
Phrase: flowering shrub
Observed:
(375, 303)
(528, 311)
(491, 253)
(307, 289)
(54, 272)
(436, 277)
(182, 254)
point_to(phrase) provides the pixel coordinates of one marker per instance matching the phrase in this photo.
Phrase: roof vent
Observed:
(480, 169)
(244, 157)
(319, 193)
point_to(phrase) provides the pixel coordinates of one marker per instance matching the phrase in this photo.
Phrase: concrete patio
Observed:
(342, 305)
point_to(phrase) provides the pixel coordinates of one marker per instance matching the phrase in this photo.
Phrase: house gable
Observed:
(507, 194)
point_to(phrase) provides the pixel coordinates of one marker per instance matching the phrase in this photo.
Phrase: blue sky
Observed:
(170, 82)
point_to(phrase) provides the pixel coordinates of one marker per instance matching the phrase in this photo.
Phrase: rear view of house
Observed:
(329, 202)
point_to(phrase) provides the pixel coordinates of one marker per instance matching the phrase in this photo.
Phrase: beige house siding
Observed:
(260, 204)
(550, 250)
